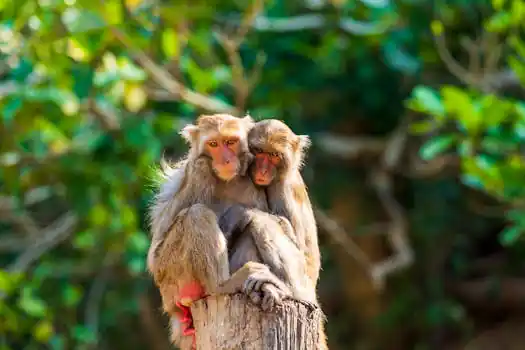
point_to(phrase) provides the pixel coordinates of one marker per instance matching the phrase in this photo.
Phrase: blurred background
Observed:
(415, 108)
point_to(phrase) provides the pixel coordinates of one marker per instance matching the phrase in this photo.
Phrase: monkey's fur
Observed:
(287, 194)
(188, 244)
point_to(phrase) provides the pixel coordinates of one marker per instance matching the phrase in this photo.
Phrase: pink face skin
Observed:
(224, 153)
(265, 168)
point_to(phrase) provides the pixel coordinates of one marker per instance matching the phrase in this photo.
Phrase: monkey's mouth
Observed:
(226, 175)
(262, 181)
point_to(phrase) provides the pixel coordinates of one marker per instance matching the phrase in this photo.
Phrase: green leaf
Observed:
(201, 79)
(57, 342)
(43, 331)
(98, 215)
(113, 12)
(459, 103)
(11, 108)
(499, 22)
(83, 334)
(498, 4)
(8, 281)
(77, 21)
(494, 110)
(137, 265)
(32, 305)
(510, 235)
(72, 295)
(472, 181)
(518, 67)
(517, 44)
(436, 145)
(222, 74)
(170, 44)
(129, 71)
(84, 240)
(378, 4)
(422, 127)
(428, 100)
(138, 242)
(517, 12)
(516, 216)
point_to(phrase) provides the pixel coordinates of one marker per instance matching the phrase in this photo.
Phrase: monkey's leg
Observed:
(234, 222)
(205, 247)
(280, 253)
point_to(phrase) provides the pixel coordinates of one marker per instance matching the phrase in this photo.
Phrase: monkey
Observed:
(188, 256)
(279, 157)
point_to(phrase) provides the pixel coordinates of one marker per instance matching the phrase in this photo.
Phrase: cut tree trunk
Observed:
(234, 322)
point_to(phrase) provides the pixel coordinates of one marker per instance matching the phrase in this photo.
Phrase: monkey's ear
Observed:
(248, 121)
(189, 133)
(304, 142)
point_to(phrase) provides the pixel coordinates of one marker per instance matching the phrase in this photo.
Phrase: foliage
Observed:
(484, 129)
(92, 93)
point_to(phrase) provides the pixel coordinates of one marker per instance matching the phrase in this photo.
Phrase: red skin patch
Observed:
(264, 168)
(189, 293)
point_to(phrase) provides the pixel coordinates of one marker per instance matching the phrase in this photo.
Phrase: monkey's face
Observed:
(265, 168)
(224, 154)
(277, 149)
(221, 138)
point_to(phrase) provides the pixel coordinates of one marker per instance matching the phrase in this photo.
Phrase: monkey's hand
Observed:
(264, 288)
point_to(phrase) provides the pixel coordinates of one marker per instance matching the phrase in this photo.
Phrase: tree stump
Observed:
(232, 322)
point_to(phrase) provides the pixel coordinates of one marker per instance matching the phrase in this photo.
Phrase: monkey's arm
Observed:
(271, 239)
(234, 219)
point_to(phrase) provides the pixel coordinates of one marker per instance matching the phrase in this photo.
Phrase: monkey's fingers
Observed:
(255, 297)
(309, 304)
(251, 284)
(272, 297)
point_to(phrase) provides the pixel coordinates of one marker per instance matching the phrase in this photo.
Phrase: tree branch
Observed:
(49, 238)
(340, 236)
(168, 82)
(314, 21)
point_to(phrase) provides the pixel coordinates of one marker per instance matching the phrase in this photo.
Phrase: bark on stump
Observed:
(232, 322)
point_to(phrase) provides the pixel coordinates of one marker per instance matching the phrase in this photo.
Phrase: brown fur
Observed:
(187, 242)
(287, 194)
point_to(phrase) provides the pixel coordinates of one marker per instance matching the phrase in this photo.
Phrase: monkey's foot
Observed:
(272, 296)
(309, 304)
(264, 289)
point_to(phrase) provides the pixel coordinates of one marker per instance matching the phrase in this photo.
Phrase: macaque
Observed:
(188, 256)
(279, 156)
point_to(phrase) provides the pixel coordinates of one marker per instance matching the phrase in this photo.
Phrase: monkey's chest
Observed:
(240, 192)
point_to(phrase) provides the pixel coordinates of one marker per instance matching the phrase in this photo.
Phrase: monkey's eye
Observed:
(212, 143)
(231, 142)
(275, 154)
(256, 150)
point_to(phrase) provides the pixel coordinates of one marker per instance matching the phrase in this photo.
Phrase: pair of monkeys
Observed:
(216, 230)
